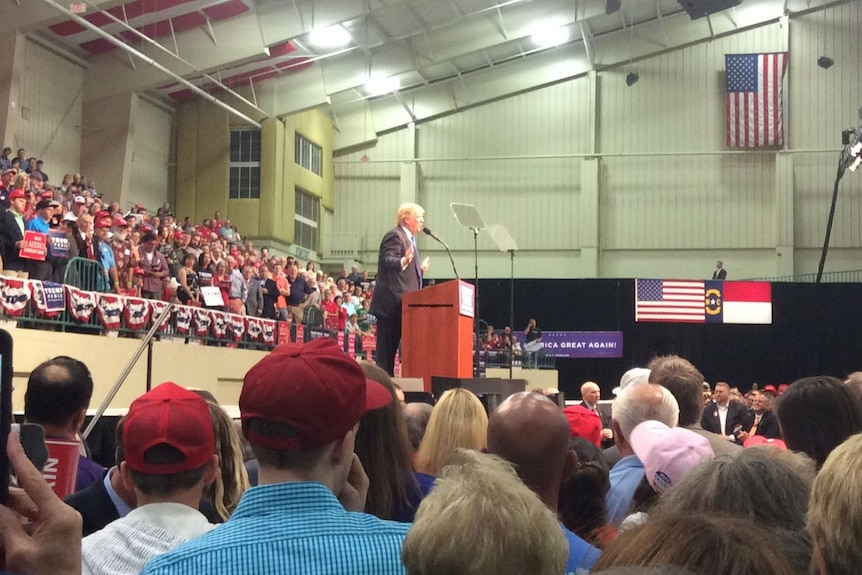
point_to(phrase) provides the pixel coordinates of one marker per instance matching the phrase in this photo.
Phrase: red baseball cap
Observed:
(174, 416)
(17, 194)
(104, 222)
(756, 440)
(314, 389)
(121, 223)
(770, 388)
(584, 423)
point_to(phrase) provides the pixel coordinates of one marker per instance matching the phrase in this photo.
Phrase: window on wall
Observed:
(244, 164)
(308, 155)
(307, 216)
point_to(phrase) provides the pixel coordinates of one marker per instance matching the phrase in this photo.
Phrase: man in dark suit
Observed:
(398, 272)
(725, 417)
(761, 421)
(12, 227)
(590, 395)
(720, 273)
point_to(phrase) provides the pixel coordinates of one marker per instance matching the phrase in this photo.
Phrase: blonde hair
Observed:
(835, 508)
(458, 420)
(21, 181)
(516, 533)
(227, 489)
(408, 209)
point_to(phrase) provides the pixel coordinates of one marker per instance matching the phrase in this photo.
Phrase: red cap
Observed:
(19, 193)
(782, 388)
(314, 389)
(104, 222)
(121, 223)
(584, 423)
(770, 388)
(756, 440)
(47, 195)
(174, 416)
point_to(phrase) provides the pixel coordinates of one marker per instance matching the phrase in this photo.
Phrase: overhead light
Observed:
(378, 86)
(825, 62)
(632, 79)
(550, 34)
(330, 37)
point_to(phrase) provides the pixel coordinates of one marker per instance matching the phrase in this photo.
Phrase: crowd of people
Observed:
(154, 255)
(329, 471)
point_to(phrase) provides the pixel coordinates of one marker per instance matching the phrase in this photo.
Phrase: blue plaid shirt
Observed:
(296, 528)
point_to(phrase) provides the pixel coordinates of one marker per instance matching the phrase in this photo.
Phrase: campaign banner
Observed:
(58, 244)
(34, 246)
(61, 469)
(583, 344)
(49, 297)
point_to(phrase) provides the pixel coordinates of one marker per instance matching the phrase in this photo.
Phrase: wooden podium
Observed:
(437, 331)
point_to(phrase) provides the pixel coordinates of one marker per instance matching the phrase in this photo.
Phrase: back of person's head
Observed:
(835, 510)
(384, 450)
(168, 442)
(57, 391)
(854, 382)
(704, 544)
(304, 401)
(582, 507)
(684, 381)
(540, 456)
(817, 414)
(416, 415)
(227, 489)
(458, 420)
(761, 484)
(481, 519)
(641, 403)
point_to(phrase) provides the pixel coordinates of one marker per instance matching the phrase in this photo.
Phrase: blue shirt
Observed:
(298, 528)
(37, 224)
(123, 508)
(582, 555)
(625, 477)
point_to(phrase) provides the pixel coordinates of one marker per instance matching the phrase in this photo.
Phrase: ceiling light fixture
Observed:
(632, 78)
(379, 86)
(550, 34)
(331, 37)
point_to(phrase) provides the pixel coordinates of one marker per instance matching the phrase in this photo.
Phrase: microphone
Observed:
(448, 251)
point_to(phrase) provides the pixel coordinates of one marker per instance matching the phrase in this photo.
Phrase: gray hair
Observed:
(835, 509)
(516, 532)
(641, 403)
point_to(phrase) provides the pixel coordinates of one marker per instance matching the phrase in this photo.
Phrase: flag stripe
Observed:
(671, 300)
(753, 99)
(749, 312)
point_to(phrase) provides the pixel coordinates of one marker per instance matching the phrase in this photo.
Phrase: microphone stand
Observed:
(448, 251)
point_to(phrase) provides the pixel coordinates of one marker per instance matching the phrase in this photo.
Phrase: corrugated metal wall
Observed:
(51, 95)
(148, 183)
(672, 198)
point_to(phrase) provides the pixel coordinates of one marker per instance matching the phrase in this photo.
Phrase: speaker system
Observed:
(700, 8)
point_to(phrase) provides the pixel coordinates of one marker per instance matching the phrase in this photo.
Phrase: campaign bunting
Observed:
(137, 313)
(80, 303)
(110, 310)
(203, 322)
(268, 326)
(255, 329)
(220, 324)
(158, 307)
(183, 316)
(237, 326)
(15, 295)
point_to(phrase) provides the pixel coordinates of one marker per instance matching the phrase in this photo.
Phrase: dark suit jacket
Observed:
(94, 505)
(606, 424)
(392, 282)
(10, 233)
(737, 415)
(768, 425)
(719, 274)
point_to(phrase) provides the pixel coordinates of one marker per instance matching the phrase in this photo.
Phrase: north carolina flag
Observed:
(738, 302)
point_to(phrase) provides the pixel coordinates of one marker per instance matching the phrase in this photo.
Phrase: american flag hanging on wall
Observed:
(752, 110)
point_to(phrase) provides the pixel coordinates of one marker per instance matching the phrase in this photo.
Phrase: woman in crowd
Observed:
(384, 450)
(582, 506)
(458, 420)
(204, 270)
(225, 492)
(221, 279)
(188, 290)
(703, 544)
(817, 414)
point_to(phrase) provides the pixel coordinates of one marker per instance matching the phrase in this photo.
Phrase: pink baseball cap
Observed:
(756, 440)
(668, 452)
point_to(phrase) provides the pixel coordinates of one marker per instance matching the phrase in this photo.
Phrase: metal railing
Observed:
(850, 276)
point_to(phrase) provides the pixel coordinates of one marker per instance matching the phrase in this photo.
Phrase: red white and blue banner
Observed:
(698, 301)
(753, 115)
(15, 295)
(110, 310)
(137, 313)
(80, 303)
